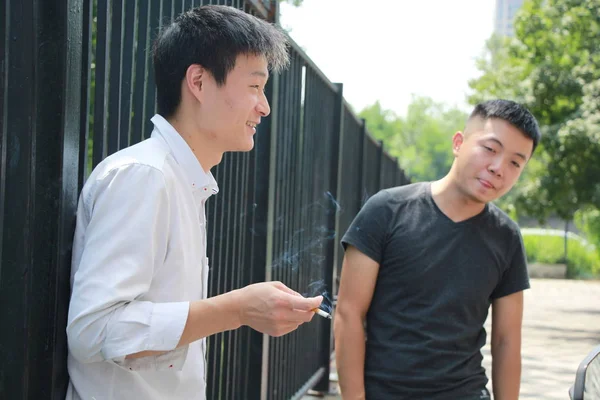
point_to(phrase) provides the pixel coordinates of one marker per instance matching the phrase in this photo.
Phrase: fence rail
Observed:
(76, 84)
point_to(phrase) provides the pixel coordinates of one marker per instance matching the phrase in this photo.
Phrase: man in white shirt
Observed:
(139, 312)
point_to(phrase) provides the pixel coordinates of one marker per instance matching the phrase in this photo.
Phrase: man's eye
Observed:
(489, 149)
(516, 164)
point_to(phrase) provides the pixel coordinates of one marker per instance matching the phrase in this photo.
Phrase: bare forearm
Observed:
(205, 318)
(350, 356)
(506, 371)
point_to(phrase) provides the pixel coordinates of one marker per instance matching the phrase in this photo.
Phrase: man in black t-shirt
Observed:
(423, 264)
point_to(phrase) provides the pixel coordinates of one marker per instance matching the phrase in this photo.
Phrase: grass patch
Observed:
(583, 262)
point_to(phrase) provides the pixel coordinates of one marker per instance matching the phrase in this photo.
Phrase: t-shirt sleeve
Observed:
(515, 277)
(369, 229)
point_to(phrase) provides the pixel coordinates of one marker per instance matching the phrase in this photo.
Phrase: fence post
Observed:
(323, 384)
(380, 166)
(361, 162)
(40, 93)
(394, 171)
(269, 173)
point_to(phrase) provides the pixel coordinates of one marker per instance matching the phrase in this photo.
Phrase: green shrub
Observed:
(588, 221)
(582, 261)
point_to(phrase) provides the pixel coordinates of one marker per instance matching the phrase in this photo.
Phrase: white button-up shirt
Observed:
(139, 258)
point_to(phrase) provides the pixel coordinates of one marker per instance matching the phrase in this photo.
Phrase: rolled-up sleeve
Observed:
(123, 234)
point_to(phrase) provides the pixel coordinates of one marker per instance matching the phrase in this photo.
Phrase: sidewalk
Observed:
(333, 387)
(561, 324)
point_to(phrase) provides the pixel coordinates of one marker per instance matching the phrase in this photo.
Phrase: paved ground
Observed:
(560, 326)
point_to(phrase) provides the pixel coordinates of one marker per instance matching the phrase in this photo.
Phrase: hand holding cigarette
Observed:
(275, 309)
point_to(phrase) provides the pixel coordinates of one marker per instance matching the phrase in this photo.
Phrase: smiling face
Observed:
(228, 114)
(490, 157)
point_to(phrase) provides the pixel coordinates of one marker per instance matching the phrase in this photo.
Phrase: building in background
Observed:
(505, 16)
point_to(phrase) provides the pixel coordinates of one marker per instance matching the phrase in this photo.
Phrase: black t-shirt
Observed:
(436, 281)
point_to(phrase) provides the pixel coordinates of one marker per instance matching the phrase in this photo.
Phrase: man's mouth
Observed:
(252, 124)
(486, 184)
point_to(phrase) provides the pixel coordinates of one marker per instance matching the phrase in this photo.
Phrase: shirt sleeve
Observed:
(125, 240)
(515, 278)
(369, 229)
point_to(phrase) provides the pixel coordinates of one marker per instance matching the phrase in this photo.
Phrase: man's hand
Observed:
(275, 309)
(269, 307)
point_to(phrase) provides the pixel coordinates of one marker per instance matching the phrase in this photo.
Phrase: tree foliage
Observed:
(422, 139)
(553, 66)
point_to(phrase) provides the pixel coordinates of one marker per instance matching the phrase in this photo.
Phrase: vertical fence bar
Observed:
(305, 155)
(279, 227)
(6, 25)
(60, 267)
(18, 139)
(130, 26)
(178, 7)
(261, 245)
(313, 148)
(396, 172)
(15, 286)
(379, 164)
(86, 80)
(297, 133)
(338, 126)
(103, 29)
(339, 193)
(234, 250)
(278, 224)
(216, 213)
(228, 264)
(360, 162)
(241, 262)
(229, 267)
(115, 76)
(150, 95)
(286, 216)
(295, 155)
(41, 104)
(139, 117)
(166, 12)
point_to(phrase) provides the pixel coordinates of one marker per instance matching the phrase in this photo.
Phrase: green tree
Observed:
(553, 66)
(504, 75)
(422, 139)
(383, 124)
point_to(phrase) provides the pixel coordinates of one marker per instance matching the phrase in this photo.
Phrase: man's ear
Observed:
(457, 140)
(194, 79)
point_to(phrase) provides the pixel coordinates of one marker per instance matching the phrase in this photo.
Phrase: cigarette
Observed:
(322, 313)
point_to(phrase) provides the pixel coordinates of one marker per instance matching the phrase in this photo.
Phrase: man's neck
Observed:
(206, 153)
(452, 201)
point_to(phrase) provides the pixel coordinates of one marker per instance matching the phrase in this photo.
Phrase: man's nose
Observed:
(263, 106)
(496, 167)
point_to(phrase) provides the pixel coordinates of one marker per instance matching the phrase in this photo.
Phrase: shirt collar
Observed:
(197, 178)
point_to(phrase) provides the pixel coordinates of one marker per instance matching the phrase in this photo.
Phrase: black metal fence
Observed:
(76, 85)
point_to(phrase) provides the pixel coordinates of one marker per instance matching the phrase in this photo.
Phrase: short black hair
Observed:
(513, 113)
(212, 36)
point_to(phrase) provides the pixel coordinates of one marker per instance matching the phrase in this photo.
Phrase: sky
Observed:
(392, 49)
